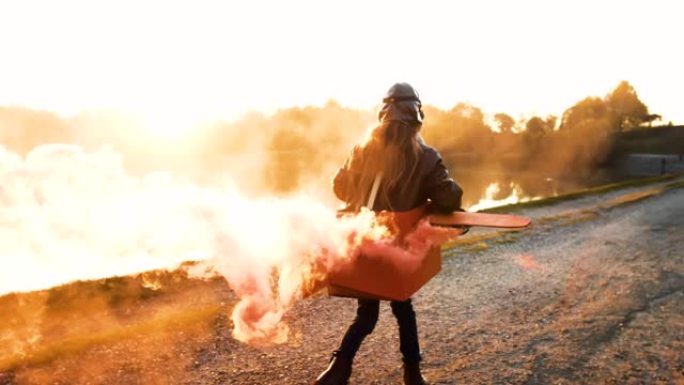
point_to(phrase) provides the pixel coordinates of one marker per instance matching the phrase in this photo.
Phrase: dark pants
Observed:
(367, 317)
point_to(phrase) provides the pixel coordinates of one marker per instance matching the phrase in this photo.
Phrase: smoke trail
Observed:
(70, 215)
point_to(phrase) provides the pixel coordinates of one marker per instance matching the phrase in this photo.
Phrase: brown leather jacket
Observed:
(429, 183)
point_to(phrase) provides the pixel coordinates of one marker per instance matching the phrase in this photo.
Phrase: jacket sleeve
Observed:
(344, 181)
(445, 195)
(341, 184)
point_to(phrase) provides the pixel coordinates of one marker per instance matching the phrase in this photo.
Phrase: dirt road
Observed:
(593, 293)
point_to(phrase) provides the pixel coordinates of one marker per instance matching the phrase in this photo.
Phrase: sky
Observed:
(180, 62)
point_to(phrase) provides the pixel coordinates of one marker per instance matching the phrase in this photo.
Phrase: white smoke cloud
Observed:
(69, 215)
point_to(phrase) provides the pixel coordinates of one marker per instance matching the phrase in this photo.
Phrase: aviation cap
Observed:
(401, 103)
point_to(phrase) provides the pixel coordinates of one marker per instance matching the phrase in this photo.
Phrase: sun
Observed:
(168, 125)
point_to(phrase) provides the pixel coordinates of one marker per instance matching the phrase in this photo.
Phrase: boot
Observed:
(337, 373)
(412, 375)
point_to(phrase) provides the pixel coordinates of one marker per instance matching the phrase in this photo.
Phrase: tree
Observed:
(534, 134)
(505, 122)
(461, 129)
(650, 118)
(587, 109)
(469, 125)
(585, 135)
(625, 104)
(550, 122)
(536, 126)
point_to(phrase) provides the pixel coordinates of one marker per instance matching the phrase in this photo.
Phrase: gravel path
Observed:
(590, 299)
(596, 302)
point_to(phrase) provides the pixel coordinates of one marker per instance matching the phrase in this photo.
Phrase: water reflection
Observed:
(483, 188)
(492, 197)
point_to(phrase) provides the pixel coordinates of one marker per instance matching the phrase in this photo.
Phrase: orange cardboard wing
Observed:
(479, 219)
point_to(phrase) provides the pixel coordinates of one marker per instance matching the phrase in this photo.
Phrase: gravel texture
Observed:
(593, 295)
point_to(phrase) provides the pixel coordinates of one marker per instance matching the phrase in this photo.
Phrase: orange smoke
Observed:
(408, 255)
(310, 246)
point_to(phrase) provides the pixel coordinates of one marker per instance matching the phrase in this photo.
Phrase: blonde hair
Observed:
(391, 148)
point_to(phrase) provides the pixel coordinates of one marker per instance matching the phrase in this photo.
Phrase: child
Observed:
(392, 170)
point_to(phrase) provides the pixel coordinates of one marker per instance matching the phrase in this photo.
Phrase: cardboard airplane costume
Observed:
(378, 278)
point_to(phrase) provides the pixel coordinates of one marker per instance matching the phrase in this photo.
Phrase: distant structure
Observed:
(650, 151)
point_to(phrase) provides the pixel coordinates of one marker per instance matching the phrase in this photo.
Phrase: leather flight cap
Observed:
(394, 99)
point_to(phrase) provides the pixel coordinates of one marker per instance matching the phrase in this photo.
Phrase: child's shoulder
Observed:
(429, 152)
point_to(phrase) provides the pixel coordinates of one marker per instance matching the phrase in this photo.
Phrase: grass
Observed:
(481, 242)
(631, 198)
(583, 193)
(674, 185)
(76, 343)
(79, 315)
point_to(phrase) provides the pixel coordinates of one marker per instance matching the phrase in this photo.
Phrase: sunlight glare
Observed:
(168, 126)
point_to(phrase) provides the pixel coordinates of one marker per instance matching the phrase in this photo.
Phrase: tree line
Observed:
(296, 146)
